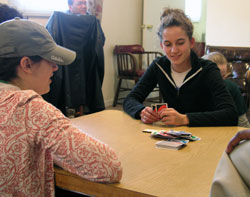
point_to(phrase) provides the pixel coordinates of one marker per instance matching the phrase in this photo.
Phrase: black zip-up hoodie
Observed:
(203, 96)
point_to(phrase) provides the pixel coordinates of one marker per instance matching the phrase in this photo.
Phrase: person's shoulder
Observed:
(21, 96)
(160, 63)
(161, 60)
(230, 83)
(30, 97)
(208, 66)
(35, 103)
(233, 87)
(203, 63)
(27, 95)
(68, 12)
(207, 63)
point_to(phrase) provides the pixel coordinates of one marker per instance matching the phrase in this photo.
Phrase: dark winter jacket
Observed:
(79, 83)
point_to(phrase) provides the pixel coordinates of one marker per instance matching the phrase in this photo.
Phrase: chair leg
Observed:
(117, 92)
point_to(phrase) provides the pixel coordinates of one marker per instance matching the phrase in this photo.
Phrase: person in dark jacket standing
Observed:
(193, 88)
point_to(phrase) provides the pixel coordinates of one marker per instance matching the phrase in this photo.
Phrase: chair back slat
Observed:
(132, 61)
(133, 58)
(136, 48)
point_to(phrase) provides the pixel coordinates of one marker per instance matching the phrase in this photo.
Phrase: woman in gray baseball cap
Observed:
(30, 44)
(33, 133)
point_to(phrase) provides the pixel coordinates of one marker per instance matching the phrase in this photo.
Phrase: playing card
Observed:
(153, 107)
(161, 106)
(162, 134)
(180, 133)
(171, 134)
(191, 138)
(151, 130)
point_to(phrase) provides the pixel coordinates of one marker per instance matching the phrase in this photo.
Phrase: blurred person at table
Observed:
(232, 87)
(192, 87)
(34, 134)
(232, 173)
(7, 13)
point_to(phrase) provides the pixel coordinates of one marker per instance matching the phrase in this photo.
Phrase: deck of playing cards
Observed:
(171, 144)
(172, 139)
(171, 134)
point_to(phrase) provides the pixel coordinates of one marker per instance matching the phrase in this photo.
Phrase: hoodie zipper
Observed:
(173, 83)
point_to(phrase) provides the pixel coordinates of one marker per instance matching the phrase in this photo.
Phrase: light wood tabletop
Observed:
(149, 171)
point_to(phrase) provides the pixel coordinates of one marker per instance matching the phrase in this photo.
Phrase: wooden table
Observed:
(148, 171)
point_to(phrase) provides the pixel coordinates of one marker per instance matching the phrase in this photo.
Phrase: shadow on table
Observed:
(65, 193)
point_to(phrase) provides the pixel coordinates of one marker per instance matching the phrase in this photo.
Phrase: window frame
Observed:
(194, 12)
(26, 11)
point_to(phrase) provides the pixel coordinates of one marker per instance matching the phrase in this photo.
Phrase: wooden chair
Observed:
(132, 61)
(240, 74)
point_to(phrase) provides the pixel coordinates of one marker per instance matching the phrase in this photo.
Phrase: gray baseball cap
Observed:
(20, 37)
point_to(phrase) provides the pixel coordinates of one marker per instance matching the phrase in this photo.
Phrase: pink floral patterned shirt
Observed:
(33, 134)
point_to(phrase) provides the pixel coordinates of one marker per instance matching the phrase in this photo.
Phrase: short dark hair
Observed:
(8, 67)
(70, 2)
(8, 13)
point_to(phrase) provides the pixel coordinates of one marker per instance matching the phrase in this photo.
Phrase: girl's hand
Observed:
(171, 117)
(149, 116)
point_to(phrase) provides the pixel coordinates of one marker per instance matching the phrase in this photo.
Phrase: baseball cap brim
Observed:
(60, 55)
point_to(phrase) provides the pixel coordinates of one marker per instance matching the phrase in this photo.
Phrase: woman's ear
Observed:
(161, 45)
(192, 43)
(26, 64)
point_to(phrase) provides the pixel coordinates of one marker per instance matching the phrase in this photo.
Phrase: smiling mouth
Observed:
(175, 57)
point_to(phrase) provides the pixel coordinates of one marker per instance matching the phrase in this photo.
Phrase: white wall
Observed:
(121, 22)
(200, 27)
(152, 11)
(228, 23)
